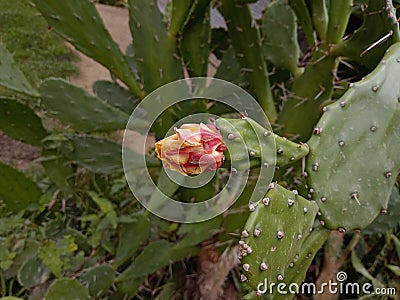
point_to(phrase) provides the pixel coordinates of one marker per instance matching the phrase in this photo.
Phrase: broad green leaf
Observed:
(50, 255)
(131, 236)
(67, 289)
(17, 191)
(99, 279)
(11, 77)
(33, 272)
(19, 122)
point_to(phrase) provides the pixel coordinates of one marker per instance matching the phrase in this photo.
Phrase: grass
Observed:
(36, 49)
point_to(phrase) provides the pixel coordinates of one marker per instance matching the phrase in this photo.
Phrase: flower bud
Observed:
(193, 149)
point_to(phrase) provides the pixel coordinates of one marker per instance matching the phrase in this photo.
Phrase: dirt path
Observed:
(116, 20)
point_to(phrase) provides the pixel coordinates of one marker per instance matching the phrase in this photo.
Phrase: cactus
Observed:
(17, 191)
(181, 12)
(147, 27)
(319, 12)
(95, 41)
(304, 19)
(279, 29)
(195, 43)
(368, 43)
(274, 234)
(246, 138)
(97, 154)
(353, 162)
(75, 107)
(19, 122)
(245, 36)
(11, 77)
(115, 95)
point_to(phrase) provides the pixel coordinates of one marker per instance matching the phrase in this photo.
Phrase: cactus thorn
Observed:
(280, 277)
(280, 151)
(234, 171)
(245, 234)
(317, 131)
(231, 136)
(266, 201)
(323, 199)
(266, 165)
(342, 104)
(354, 195)
(384, 211)
(292, 158)
(290, 202)
(280, 234)
(341, 230)
(324, 109)
(299, 236)
(257, 232)
(252, 206)
(295, 192)
(373, 128)
(263, 266)
(291, 265)
(243, 278)
(341, 143)
(305, 209)
(267, 133)
(271, 186)
(315, 167)
(252, 153)
(322, 223)
(375, 88)
(246, 267)
(388, 174)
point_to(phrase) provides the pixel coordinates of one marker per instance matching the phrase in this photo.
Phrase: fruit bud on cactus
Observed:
(193, 149)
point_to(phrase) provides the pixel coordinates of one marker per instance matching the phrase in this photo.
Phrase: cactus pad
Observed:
(75, 107)
(354, 153)
(274, 235)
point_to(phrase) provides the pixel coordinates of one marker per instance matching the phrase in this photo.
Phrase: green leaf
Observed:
(131, 236)
(19, 122)
(17, 191)
(99, 279)
(33, 272)
(106, 207)
(50, 255)
(154, 257)
(11, 77)
(67, 289)
(77, 108)
(394, 269)
(10, 298)
(359, 267)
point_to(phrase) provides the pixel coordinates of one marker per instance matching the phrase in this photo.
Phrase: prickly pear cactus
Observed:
(248, 139)
(274, 234)
(354, 152)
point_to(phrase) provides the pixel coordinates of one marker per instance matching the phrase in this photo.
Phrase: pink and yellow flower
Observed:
(193, 149)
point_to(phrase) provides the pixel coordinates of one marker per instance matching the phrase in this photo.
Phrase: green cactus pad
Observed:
(279, 30)
(287, 151)
(75, 107)
(115, 95)
(155, 49)
(274, 235)
(11, 77)
(80, 24)
(195, 43)
(246, 40)
(17, 191)
(98, 154)
(19, 122)
(354, 153)
(304, 19)
(181, 11)
(379, 20)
